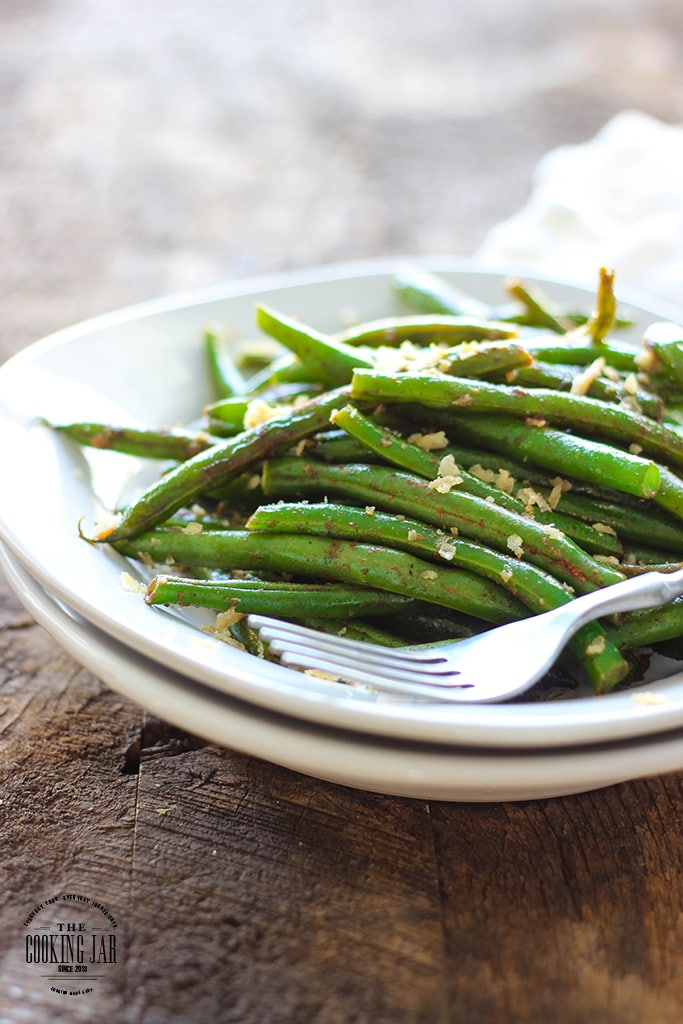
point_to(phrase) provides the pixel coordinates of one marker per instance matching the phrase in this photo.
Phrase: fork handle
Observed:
(651, 590)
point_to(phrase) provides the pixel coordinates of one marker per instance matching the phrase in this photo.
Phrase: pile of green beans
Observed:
(422, 477)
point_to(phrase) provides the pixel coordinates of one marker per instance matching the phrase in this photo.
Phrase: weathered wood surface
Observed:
(153, 147)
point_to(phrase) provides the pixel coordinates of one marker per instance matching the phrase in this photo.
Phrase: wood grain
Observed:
(565, 909)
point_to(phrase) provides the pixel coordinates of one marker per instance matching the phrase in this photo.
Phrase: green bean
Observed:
(487, 359)
(146, 443)
(285, 369)
(248, 638)
(563, 378)
(536, 589)
(601, 320)
(283, 599)
(225, 377)
(337, 446)
(665, 341)
(219, 465)
(645, 628)
(537, 306)
(632, 522)
(424, 330)
(670, 493)
(228, 413)
(329, 361)
(533, 586)
(617, 355)
(474, 459)
(563, 453)
(579, 458)
(429, 293)
(411, 457)
(588, 415)
(346, 561)
(659, 561)
(475, 518)
(427, 625)
(357, 629)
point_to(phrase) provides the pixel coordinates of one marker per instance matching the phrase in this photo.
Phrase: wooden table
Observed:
(154, 147)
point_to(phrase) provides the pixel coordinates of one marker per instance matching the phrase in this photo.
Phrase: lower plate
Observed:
(423, 771)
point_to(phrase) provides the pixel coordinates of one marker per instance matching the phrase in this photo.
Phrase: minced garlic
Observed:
(259, 411)
(582, 382)
(604, 528)
(554, 496)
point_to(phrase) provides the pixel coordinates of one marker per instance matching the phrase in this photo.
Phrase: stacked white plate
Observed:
(145, 365)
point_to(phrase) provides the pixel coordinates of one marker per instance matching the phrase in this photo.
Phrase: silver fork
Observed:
(492, 666)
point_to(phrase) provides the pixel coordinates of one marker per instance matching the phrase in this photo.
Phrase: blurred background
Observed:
(151, 146)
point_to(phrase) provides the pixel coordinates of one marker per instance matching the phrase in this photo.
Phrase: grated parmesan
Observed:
(505, 481)
(515, 544)
(530, 497)
(649, 698)
(429, 442)
(444, 484)
(631, 384)
(448, 478)
(487, 476)
(132, 585)
(193, 529)
(596, 646)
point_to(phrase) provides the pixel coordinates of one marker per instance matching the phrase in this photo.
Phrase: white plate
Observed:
(145, 365)
(420, 771)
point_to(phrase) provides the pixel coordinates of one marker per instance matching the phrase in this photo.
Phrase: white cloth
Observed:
(614, 201)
